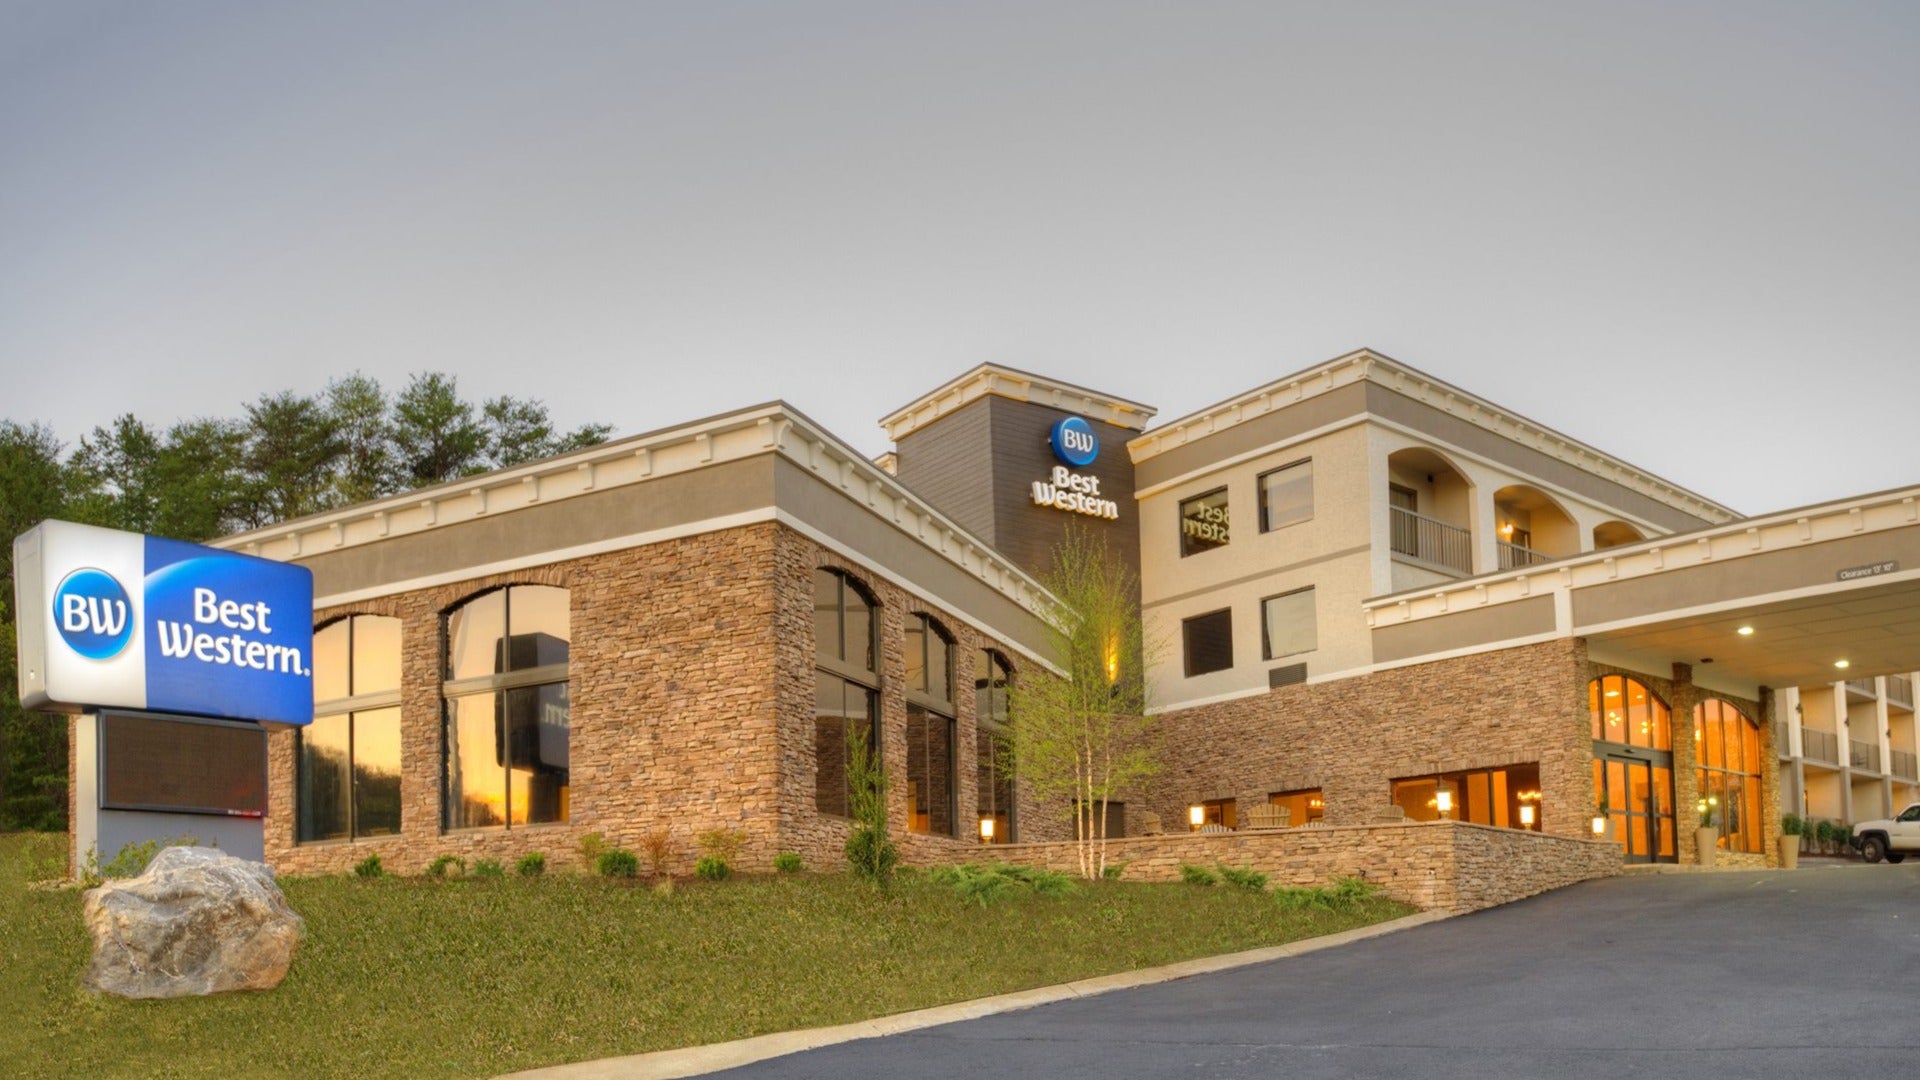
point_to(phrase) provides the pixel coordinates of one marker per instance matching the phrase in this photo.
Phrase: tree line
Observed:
(290, 455)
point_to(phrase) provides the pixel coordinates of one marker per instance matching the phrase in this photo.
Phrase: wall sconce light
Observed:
(1443, 799)
(986, 830)
(1526, 815)
(1196, 816)
(1507, 530)
(1599, 824)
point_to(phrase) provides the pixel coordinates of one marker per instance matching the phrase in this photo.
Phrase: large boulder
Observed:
(196, 922)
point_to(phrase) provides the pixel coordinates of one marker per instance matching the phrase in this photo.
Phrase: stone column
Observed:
(1769, 780)
(1686, 760)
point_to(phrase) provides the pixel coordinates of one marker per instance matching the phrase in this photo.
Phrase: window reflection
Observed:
(508, 757)
(993, 781)
(347, 763)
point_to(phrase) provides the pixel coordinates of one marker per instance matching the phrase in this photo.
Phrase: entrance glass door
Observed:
(1638, 795)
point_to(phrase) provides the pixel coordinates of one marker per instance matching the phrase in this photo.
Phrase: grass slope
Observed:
(472, 977)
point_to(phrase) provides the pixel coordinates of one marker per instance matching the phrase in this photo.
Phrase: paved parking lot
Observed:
(1812, 975)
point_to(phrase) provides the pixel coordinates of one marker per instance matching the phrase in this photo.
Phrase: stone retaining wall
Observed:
(1435, 865)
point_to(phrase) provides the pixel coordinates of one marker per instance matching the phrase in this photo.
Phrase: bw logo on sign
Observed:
(93, 613)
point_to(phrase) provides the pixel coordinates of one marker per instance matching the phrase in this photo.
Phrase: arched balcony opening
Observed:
(1430, 508)
(1531, 527)
(1615, 533)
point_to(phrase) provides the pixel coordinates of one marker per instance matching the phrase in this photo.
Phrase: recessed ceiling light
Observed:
(1841, 663)
(1745, 631)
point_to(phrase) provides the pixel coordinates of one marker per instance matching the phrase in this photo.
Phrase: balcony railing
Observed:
(1516, 557)
(1820, 745)
(1900, 690)
(1435, 543)
(1863, 755)
(1905, 765)
(1861, 686)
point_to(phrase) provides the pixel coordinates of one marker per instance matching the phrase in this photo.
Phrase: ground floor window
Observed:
(1110, 816)
(995, 790)
(1303, 806)
(1493, 796)
(1727, 744)
(1214, 814)
(930, 772)
(507, 757)
(840, 708)
(349, 775)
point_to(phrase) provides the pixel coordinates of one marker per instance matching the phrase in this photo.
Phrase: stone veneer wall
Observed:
(691, 669)
(1437, 865)
(1351, 737)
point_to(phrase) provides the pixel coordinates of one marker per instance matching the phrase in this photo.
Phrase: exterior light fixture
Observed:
(986, 830)
(1745, 631)
(1842, 664)
(1443, 799)
(1113, 661)
(1526, 815)
(1196, 815)
(1599, 824)
(1507, 529)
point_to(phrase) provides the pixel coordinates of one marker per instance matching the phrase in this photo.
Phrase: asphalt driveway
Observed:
(1812, 975)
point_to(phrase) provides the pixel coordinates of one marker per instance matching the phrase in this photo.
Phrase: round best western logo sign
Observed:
(1074, 442)
(93, 613)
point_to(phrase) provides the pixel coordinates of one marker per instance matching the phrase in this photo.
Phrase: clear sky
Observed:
(1686, 233)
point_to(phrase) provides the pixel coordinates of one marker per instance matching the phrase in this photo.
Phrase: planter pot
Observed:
(1789, 853)
(1704, 840)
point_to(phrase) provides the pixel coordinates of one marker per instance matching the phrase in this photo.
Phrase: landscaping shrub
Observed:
(722, 844)
(618, 862)
(789, 862)
(1198, 875)
(488, 868)
(592, 846)
(1343, 893)
(871, 855)
(712, 868)
(1112, 871)
(1245, 877)
(532, 864)
(441, 864)
(659, 848)
(995, 881)
(368, 867)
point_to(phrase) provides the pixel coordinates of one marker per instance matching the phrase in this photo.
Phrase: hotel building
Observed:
(1388, 605)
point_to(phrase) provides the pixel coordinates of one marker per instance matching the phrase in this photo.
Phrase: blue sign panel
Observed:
(1074, 442)
(141, 622)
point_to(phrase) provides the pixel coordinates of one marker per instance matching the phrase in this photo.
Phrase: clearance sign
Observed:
(117, 619)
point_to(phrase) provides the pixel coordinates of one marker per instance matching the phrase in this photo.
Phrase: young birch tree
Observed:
(1084, 739)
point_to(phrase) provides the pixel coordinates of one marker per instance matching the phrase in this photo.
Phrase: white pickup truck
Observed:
(1889, 838)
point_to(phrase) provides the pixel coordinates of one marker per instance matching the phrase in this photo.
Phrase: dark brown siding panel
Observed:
(1391, 405)
(682, 498)
(1481, 626)
(1280, 425)
(949, 463)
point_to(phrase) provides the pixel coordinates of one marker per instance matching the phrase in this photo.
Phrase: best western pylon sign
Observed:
(117, 619)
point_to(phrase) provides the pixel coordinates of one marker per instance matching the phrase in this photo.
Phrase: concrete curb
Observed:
(696, 1060)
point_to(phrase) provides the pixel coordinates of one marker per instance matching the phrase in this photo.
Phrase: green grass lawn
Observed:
(471, 977)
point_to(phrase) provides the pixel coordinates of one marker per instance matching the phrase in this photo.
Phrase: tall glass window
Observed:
(994, 777)
(1286, 495)
(508, 718)
(1632, 767)
(846, 684)
(347, 762)
(1727, 743)
(931, 780)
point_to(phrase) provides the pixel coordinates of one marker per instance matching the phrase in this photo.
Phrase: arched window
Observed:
(846, 684)
(931, 777)
(992, 677)
(1727, 743)
(1633, 767)
(1623, 710)
(347, 762)
(507, 713)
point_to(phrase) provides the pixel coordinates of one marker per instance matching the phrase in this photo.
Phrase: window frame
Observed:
(994, 661)
(1186, 642)
(349, 707)
(1181, 521)
(499, 684)
(1266, 637)
(1260, 495)
(1752, 825)
(943, 713)
(850, 672)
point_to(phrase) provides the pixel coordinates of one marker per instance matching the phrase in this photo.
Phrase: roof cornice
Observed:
(1365, 365)
(1014, 385)
(775, 428)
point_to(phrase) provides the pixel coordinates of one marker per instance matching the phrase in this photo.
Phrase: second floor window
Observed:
(1286, 495)
(1203, 522)
(1207, 642)
(1287, 624)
